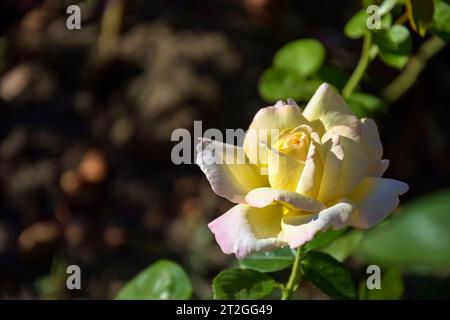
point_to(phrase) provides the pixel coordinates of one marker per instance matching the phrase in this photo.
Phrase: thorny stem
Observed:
(294, 278)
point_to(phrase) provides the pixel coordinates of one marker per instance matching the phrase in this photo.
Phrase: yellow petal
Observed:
(311, 176)
(328, 107)
(334, 154)
(345, 167)
(267, 125)
(284, 171)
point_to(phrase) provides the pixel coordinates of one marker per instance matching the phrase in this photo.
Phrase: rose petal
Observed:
(228, 170)
(244, 229)
(370, 139)
(263, 197)
(299, 229)
(382, 167)
(310, 178)
(266, 125)
(329, 108)
(376, 198)
(284, 171)
(345, 167)
(334, 155)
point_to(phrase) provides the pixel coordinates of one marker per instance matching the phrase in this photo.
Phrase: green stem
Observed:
(361, 67)
(295, 277)
(415, 65)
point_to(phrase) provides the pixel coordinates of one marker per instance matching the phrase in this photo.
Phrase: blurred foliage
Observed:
(391, 287)
(418, 240)
(420, 15)
(297, 67)
(163, 280)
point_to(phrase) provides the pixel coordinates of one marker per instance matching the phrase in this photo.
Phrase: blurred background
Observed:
(86, 116)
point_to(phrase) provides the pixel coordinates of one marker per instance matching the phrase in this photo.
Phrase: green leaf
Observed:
(418, 240)
(357, 25)
(441, 21)
(364, 104)
(345, 246)
(333, 75)
(395, 46)
(328, 275)
(304, 56)
(387, 6)
(394, 61)
(276, 84)
(242, 284)
(392, 287)
(269, 261)
(323, 238)
(396, 40)
(420, 15)
(164, 279)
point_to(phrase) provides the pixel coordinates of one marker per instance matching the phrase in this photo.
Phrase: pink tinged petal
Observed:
(376, 198)
(228, 170)
(266, 125)
(299, 229)
(329, 108)
(370, 139)
(263, 197)
(244, 229)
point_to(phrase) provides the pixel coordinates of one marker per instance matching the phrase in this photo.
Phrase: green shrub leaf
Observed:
(396, 40)
(242, 284)
(328, 275)
(441, 21)
(420, 14)
(357, 24)
(323, 238)
(394, 61)
(270, 261)
(276, 84)
(162, 280)
(304, 56)
(344, 246)
(364, 104)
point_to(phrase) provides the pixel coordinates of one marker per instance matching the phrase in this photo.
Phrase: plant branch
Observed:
(294, 278)
(361, 67)
(415, 65)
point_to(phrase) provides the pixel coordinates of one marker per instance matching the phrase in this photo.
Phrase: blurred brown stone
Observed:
(40, 236)
(93, 168)
(115, 236)
(15, 81)
(70, 182)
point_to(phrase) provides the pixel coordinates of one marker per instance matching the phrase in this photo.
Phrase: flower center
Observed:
(294, 143)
